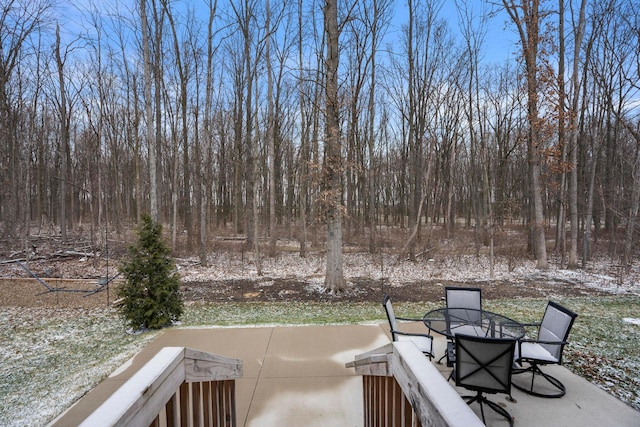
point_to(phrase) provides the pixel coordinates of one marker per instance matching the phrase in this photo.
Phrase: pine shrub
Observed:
(150, 298)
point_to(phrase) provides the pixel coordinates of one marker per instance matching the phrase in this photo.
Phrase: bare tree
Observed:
(304, 139)
(377, 19)
(426, 137)
(244, 15)
(271, 138)
(148, 104)
(64, 111)
(183, 63)
(425, 43)
(211, 48)
(525, 15)
(414, 148)
(613, 55)
(474, 31)
(630, 72)
(334, 278)
(18, 21)
(575, 91)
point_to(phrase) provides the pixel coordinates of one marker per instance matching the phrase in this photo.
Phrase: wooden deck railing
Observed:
(401, 388)
(178, 387)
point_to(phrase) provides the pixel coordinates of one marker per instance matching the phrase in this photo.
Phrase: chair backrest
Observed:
(555, 326)
(484, 364)
(391, 316)
(463, 298)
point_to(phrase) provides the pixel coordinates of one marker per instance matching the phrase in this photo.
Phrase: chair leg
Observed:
(471, 399)
(450, 354)
(481, 399)
(535, 370)
(482, 410)
(499, 409)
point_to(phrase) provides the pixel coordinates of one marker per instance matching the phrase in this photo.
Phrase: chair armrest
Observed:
(535, 325)
(412, 334)
(409, 319)
(543, 341)
(529, 325)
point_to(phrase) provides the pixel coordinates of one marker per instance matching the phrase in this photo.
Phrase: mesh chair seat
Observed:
(467, 330)
(535, 351)
(545, 350)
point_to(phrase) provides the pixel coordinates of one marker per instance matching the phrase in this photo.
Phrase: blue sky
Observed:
(500, 40)
(499, 44)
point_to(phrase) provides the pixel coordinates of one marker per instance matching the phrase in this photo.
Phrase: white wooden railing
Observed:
(179, 386)
(401, 387)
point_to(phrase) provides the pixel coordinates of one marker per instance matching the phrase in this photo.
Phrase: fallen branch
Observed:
(76, 253)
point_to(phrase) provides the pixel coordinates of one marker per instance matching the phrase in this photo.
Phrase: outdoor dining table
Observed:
(482, 323)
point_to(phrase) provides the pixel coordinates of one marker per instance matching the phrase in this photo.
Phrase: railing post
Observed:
(401, 388)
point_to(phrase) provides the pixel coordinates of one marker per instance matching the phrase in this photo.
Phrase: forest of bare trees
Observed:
(321, 120)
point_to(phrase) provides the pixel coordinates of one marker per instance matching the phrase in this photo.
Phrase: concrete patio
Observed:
(296, 376)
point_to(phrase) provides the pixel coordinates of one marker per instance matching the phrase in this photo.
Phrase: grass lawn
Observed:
(49, 358)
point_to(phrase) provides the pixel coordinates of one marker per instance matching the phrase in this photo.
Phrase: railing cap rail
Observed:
(139, 400)
(434, 401)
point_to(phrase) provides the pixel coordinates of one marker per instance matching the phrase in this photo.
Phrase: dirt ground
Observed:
(87, 293)
(72, 281)
(365, 290)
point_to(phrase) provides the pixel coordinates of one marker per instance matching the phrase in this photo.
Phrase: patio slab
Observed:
(296, 375)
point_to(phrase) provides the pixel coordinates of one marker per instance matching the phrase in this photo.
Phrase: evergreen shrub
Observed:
(150, 298)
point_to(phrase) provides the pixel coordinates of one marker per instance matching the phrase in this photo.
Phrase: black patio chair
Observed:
(484, 365)
(424, 342)
(464, 307)
(547, 349)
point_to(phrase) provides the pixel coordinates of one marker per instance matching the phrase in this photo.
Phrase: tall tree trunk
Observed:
(573, 137)
(528, 25)
(238, 163)
(248, 137)
(270, 135)
(64, 116)
(320, 81)
(200, 211)
(213, 4)
(379, 8)
(185, 203)
(334, 279)
(148, 104)
(415, 193)
(562, 143)
(304, 142)
(158, 83)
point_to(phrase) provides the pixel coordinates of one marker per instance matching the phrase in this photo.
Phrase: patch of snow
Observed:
(632, 320)
(315, 288)
(599, 274)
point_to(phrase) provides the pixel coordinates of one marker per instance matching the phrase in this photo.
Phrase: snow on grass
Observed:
(461, 268)
(605, 349)
(49, 358)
